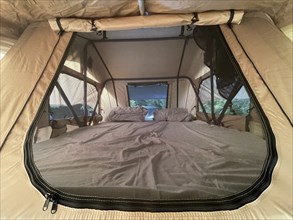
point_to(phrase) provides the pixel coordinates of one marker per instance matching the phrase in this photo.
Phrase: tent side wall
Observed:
(276, 202)
(22, 68)
(265, 44)
(19, 199)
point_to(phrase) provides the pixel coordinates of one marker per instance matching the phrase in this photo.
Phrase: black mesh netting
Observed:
(216, 58)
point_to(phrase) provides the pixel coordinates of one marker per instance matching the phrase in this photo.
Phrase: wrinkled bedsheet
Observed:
(152, 160)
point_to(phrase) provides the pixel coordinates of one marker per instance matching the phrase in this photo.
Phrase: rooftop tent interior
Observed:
(115, 126)
(153, 115)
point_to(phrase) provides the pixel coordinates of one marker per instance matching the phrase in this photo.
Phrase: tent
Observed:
(75, 65)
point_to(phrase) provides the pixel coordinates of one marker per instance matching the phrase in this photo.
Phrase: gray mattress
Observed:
(152, 160)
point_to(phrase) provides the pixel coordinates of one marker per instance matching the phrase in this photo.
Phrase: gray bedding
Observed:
(152, 160)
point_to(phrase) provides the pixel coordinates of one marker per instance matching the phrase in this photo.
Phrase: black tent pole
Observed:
(179, 68)
(108, 71)
(84, 68)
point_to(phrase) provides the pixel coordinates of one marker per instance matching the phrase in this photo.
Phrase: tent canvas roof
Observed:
(16, 15)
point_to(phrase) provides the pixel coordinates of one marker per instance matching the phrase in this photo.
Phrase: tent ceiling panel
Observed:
(141, 59)
(98, 69)
(192, 64)
(138, 33)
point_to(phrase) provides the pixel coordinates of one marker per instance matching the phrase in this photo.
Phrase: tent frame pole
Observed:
(68, 71)
(100, 56)
(179, 69)
(95, 108)
(84, 64)
(212, 97)
(136, 39)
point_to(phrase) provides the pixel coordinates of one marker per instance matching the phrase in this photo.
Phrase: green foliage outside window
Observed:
(158, 103)
(238, 107)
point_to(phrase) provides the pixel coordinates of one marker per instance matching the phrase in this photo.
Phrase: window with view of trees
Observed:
(240, 104)
(151, 96)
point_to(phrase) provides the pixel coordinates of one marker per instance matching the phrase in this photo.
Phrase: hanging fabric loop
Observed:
(61, 30)
(229, 22)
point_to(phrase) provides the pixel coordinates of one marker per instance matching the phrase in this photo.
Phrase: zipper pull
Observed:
(54, 200)
(54, 205)
(48, 200)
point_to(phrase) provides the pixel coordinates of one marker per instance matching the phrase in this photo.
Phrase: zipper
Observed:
(53, 199)
(56, 196)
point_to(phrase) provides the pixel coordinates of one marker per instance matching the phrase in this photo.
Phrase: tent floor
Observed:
(152, 160)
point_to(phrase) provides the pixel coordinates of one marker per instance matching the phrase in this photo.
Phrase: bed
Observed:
(152, 160)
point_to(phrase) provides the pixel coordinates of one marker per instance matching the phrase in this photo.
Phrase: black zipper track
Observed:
(30, 166)
(93, 202)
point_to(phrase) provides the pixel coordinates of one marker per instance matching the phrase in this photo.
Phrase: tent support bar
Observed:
(78, 75)
(233, 93)
(95, 108)
(115, 92)
(84, 63)
(137, 39)
(212, 97)
(182, 31)
(68, 103)
(97, 51)
(179, 69)
(200, 103)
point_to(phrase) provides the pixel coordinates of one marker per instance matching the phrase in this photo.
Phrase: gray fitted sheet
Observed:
(152, 160)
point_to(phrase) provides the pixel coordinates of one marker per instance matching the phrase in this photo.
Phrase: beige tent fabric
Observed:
(16, 15)
(135, 22)
(218, 17)
(278, 202)
(279, 10)
(19, 199)
(271, 54)
(288, 31)
(122, 23)
(22, 63)
(6, 43)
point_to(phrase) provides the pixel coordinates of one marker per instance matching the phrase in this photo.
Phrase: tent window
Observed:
(239, 105)
(151, 96)
(58, 107)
